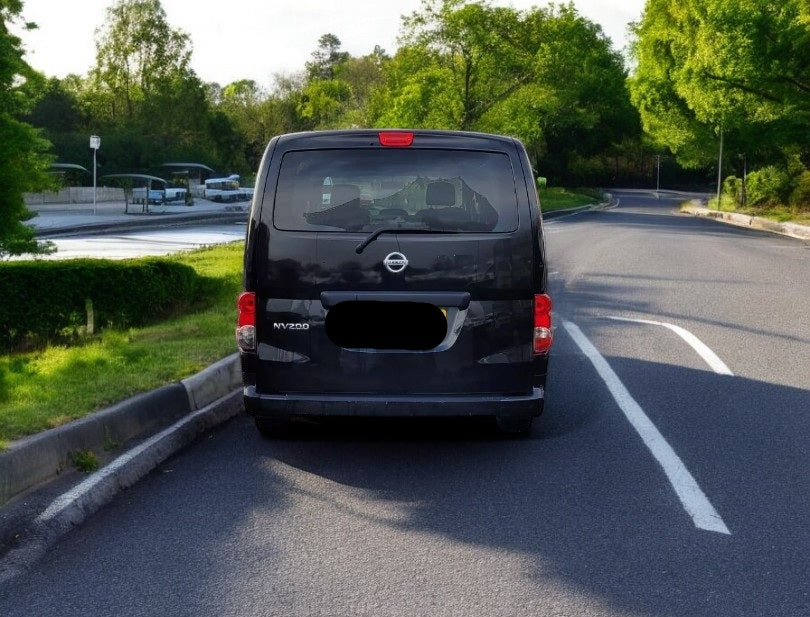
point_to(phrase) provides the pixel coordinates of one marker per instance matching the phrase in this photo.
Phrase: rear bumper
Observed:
(286, 405)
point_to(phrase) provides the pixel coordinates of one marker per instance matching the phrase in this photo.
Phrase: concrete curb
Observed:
(36, 459)
(144, 222)
(552, 214)
(801, 232)
(76, 505)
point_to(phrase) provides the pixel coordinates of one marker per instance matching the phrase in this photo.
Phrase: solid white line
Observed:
(70, 497)
(565, 216)
(686, 488)
(711, 358)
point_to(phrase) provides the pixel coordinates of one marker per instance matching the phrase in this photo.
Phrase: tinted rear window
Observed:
(363, 190)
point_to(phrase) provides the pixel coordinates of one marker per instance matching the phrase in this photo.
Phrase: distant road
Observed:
(160, 241)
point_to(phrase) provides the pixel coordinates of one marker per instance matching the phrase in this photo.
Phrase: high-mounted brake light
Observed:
(543, 336)
(246, 321)
(396, 139)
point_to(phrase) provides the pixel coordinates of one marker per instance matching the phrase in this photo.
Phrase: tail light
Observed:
(543, 336)
(246, 321)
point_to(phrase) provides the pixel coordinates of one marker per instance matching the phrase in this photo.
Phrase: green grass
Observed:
(85, 461)
(780, 214)
(560, 199)
(48, 387)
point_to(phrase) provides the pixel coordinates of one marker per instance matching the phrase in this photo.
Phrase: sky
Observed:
(256, 39)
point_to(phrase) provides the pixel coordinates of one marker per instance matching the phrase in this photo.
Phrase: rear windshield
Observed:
(363, 190)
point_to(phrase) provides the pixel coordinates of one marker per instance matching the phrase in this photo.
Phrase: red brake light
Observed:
(396, 139)
(246, 321)
(247, 309)
(543, 336)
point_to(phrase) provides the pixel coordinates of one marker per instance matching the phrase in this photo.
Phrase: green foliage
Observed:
(733, 190)
(323, 102)
(547, 76)
(48, 387)
(85, 461)
(142, 97)
(458, 61)
(23, 153)
(56, 109)
(560, 199)
(326, 59)
(768, 186)
(800, 196)
(707, 65)
(137, 52)
(41, 300)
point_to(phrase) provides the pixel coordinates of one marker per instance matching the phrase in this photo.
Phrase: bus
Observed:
(226, 189)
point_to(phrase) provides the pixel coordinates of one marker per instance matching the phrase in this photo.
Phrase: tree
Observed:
(418, 92)
(137, 50)
(23, 153)
(578, 94)
(326, 58)
(483, 49)
(709, 65)
(547, 76)
(56, 109)
(364, 76)
(143, 96)
(323, 101)
(246, 104)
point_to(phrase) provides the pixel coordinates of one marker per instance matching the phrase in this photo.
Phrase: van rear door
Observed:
(401, 270)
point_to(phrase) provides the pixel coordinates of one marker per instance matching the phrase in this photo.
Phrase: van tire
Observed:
(273, 428)
(514, 426)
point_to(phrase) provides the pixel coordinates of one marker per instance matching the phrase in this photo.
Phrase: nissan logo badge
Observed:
(395, 262)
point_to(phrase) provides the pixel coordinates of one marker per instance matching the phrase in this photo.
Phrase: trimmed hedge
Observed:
(47, 299)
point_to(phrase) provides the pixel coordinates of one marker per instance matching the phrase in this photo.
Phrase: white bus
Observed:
(226, 189)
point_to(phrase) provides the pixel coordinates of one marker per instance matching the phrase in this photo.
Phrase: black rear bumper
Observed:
(286, 405)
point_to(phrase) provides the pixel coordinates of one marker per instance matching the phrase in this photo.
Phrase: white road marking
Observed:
(686, 488)
(703, 350)
(70, 497)
(552, 220)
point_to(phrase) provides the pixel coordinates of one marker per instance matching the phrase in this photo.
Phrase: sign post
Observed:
(95, 144)
(657, 175)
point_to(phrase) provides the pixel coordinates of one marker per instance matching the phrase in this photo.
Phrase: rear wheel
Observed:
(273, 428)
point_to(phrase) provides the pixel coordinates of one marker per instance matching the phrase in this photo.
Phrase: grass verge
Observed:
(561, 199)
(780, 214)
(48, 387)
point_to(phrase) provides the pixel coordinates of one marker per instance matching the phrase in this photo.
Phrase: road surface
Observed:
(669, 475)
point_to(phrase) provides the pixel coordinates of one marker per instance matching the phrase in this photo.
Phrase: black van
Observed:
(394, 273)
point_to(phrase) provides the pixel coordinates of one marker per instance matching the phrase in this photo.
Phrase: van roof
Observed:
(359, 138)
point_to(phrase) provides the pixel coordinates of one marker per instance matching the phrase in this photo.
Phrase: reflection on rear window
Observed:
(364, 190)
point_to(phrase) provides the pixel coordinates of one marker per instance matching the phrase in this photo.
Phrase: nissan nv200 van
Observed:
(394, 273)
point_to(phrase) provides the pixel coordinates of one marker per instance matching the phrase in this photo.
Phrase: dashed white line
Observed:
(693, 499)
(703, 350)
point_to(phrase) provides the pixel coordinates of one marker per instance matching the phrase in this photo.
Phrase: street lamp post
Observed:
(657, 175)
(720, 167)
(95, 144)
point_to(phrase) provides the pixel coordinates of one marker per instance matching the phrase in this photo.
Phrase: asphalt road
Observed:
(591, 515)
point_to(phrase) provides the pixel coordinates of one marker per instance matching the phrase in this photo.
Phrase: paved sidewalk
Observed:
(65, 219)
